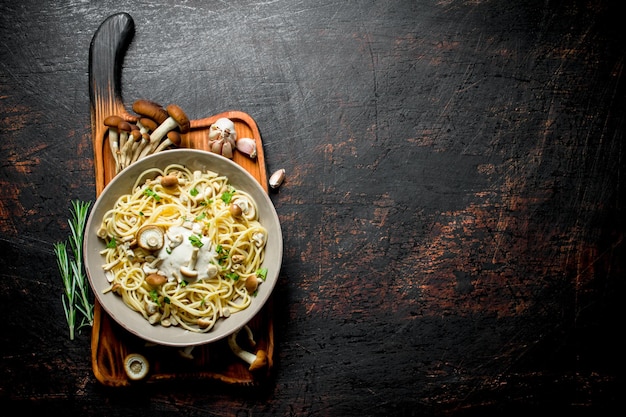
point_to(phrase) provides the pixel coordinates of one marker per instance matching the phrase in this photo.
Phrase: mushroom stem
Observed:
(176, 119)
(111, 122)
(256, 361)
(173, 138)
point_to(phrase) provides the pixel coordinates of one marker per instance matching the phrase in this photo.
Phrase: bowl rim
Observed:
(134, 322)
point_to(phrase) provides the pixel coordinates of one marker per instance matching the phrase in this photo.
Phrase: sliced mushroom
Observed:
(259, 239)
(150, 237)
(136, 366)
(212, 271)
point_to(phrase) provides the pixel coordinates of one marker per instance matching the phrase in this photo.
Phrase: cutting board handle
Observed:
(106, 54)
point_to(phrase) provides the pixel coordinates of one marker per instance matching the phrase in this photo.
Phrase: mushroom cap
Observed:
(150, 237)
(174, 137)
(176, 113)
(252, 283)
(151, 110)
(235, 209)
(169, 181)
(155, 280)
(136, 134)
(113, 120)
(124, 126)
(260, 361)
(148, 123)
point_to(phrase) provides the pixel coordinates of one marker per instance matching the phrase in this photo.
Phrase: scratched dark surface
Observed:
(453, 214)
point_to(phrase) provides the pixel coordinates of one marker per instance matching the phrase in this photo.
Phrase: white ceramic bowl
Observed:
(122, 184)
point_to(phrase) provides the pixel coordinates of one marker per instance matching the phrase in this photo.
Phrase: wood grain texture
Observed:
(453, 211)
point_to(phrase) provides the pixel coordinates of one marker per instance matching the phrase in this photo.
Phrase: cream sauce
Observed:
(177, 253)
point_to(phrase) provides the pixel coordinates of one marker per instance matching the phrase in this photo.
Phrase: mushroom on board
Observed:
(112, 122)
(256, 361)
(151, 110)
(173, 139)
(124, 129)
(145, 125)
(177, 119)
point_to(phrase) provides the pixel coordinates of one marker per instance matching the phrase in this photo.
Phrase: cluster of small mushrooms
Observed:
(155, 128)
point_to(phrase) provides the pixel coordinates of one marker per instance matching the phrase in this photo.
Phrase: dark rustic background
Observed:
(453, 214)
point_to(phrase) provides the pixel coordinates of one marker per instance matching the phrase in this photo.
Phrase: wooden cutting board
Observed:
(110, 343)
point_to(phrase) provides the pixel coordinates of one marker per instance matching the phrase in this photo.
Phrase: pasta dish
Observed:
(184, 248)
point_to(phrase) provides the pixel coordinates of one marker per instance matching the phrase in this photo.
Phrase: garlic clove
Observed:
(247, 146)
(277, 178)
(227, 150)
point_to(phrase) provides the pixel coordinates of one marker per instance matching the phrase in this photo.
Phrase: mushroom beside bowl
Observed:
(122, 184)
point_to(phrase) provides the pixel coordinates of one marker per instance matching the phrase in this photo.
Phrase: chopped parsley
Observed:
(228, 195)
(194, 192)
(150, 193)
(233, 276)
(154, 296)
(222, 253)
(261, 273)
(200, 216)
(112, 243)
(196, 241)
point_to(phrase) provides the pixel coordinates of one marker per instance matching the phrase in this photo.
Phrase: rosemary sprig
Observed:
(77, 227)
(76, 295)
(69, 286)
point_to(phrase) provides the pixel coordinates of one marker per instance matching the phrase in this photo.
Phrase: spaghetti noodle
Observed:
(184, 248)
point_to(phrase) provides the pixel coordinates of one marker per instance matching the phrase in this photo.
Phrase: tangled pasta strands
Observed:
(201, 198)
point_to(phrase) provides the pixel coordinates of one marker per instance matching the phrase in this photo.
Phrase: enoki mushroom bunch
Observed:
(153, 129)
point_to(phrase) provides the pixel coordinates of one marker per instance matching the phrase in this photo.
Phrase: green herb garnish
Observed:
(154, 296)
(196, 241)
(228, 195)
(150, 193)
(261, 273)
(194, 192)
(233, 276)
(76, 296)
